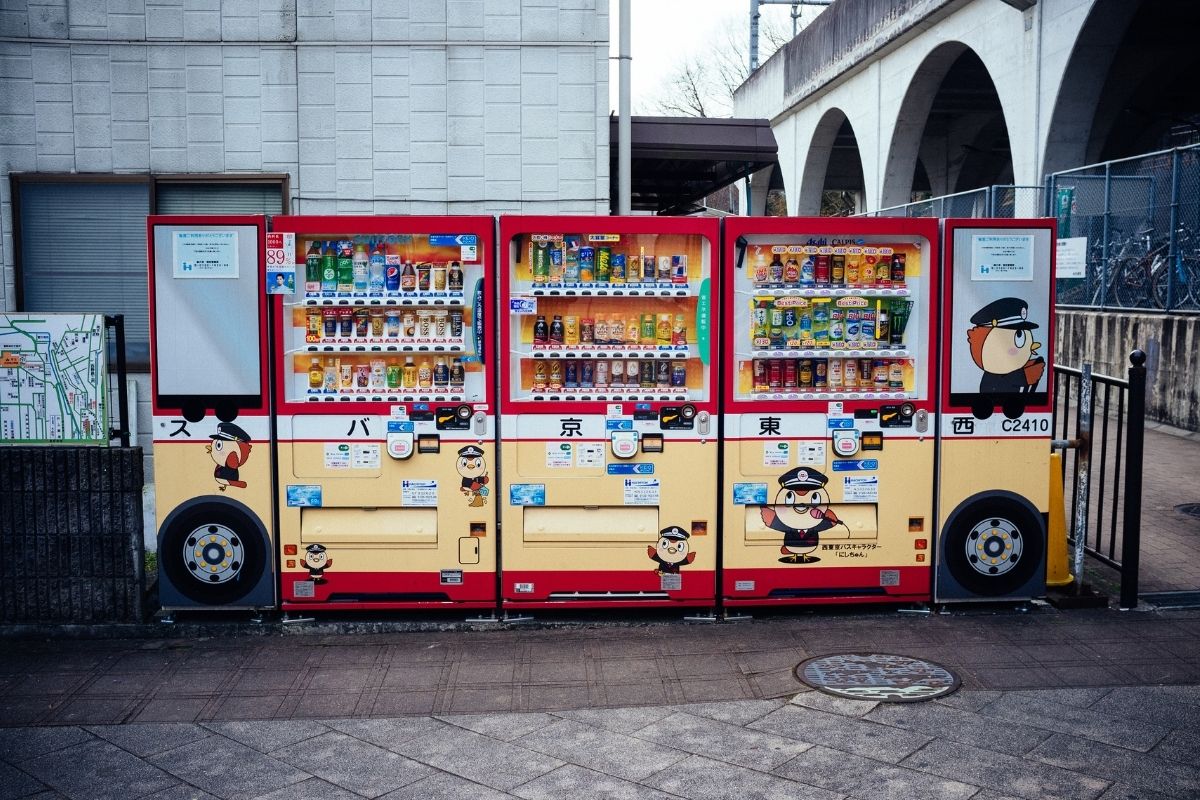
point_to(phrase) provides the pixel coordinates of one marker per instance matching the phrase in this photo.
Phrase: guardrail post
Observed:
(1083, 474)
(1131, 536)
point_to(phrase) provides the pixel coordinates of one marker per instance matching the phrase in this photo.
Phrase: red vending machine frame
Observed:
(397, 531)
(795, 530)
(213, 452)
(592, 554)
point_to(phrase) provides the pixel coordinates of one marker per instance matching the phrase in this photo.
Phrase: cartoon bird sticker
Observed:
(316, 561)
(473, 469)
(801, 511)
(229, 449)
(1002, 346)
(672, 550)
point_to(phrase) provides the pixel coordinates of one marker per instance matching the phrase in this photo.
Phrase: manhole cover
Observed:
(1191, 509)
(877, 676)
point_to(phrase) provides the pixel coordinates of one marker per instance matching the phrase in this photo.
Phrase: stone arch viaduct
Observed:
(896, 99)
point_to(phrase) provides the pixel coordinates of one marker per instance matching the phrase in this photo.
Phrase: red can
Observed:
(760, 375)
(822, 271)
(775, 374)
(789, 374)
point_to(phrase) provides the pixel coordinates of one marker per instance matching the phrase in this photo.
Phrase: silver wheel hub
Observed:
(994, 546)
(214, 554)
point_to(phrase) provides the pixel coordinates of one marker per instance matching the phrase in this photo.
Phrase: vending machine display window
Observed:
(601, 316)
(830, 322)
(384, 318)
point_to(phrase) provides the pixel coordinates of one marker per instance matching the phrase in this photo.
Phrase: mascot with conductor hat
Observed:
(801, 511)
(229, 449)
(1002, 346)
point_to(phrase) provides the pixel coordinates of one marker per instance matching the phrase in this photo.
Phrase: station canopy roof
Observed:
(678, 161)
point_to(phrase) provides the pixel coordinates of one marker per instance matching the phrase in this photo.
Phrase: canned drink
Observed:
(899, 267)
(633, 330)
(556, 375)
(896, 375)
(679, 269)
(777, 317)
(820, 374)
(790, 374)
(539, 375)
(618, 268)
(866, 271)
(850, 374)
(835, 374)
(441, 323)
(587, 331)
(866, 329)
(362, 376)
(646, 371)
(601, 373)
(632, 372)
(456, 324)
(679, 331)
(587, 375)
(600, 331)
(423, 273)
(392, 324)
(425, 324)
(571, 375)
(806, 373)
(345, 318)
(539, 261)
(883, 271)
(791, 272)
(852, 270)
(648, 272)
(821, 273)
(678, 375)
(377, 323)
(760, 375)
(618, 372)
(587, 264)
(312, 319)
(789, 318)
(837, 270)
(393, 375)
(604, 264)
(808, 271)
(648, 331)
(458, 374)
(570, 330)
(836, 324)
(408, 325)
(439, 278)
(775, 374)
(853, 322)
(557, 267)
(556, 330)
(378, 378)
(662, 374)
(879, 374)
(391, 272)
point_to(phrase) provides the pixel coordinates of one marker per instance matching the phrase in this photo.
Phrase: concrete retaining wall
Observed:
(1172, 344)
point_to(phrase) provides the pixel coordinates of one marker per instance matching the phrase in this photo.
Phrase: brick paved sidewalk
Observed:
(984, 745)
(315, 675)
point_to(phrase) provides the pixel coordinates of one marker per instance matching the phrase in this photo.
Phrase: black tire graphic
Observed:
(1005, 532)
(236, 529)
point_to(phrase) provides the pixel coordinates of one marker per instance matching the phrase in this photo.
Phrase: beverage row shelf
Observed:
(382, 347)
(416, 299)
(374, 397)
(609, 290)
(872, 352)
(610, 395)
(824, 395)
(831, 291)
(609, 352)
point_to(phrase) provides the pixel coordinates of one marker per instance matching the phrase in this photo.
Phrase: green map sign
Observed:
(53, 379)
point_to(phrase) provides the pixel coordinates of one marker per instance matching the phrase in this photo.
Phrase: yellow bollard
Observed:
(1058, 571)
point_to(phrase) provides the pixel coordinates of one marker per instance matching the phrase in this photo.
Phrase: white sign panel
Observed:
(418, 493)
(205, 254)
(1070, 258)
(641, 491)
(1001, 257)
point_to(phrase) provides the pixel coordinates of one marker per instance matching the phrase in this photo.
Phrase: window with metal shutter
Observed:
(83, 249)
(218, 198)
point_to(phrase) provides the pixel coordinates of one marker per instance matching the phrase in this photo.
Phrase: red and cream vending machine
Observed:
(829, 358)
(995, 408)
(386, 420)
(213, 455)
(608, 405)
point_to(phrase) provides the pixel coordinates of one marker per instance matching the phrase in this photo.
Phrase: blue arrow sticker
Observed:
(631, 469)
(840, 422)
(452, 239)
(400, 426)
(860, 465)
(618, 424)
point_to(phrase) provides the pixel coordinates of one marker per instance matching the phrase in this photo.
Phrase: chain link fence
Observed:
(1137, 220)
(988, 201)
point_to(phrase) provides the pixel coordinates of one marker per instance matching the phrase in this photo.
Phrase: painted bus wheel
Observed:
(212, 551)
(993, 544)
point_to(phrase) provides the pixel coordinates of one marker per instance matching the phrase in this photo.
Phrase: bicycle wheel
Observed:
(1130, 286)
(1185, 284)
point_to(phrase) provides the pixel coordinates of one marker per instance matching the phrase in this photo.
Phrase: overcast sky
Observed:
(664, 31)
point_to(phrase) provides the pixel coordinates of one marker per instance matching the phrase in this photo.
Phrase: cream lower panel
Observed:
(970, 466)
(862, 524)
(371, 527)
(590, 524)
(185, 471)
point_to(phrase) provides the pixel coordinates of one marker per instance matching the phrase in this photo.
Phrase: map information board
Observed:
(53, 379)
